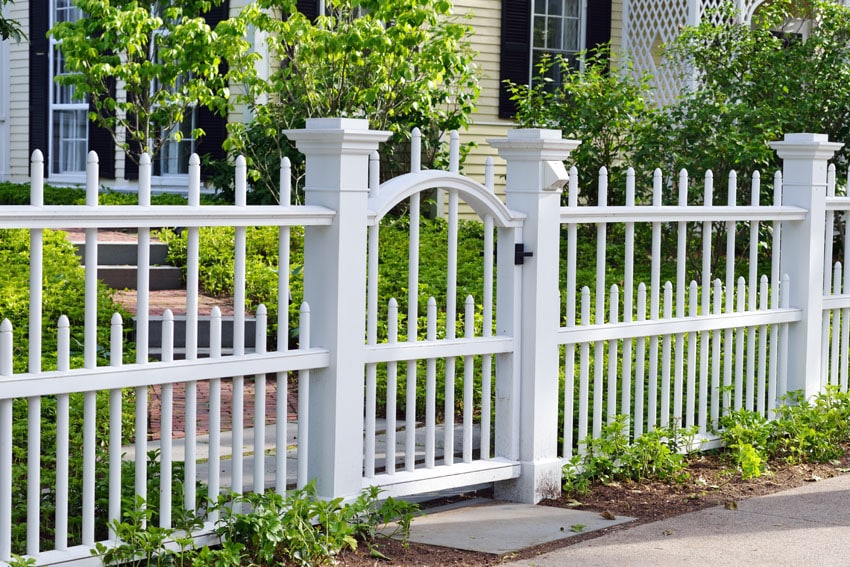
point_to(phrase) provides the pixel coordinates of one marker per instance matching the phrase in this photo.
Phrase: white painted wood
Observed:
(90, 356)
(6, 445)
(628, 292)
(739, 346)
(431, 390)
(62, 438)
(167, 430)
(762, 350)
(468, 381)
(214, 486)
(34, 362)
(805, 159)
(304, 331)
(690, 406)
(640, 354)
(664, 419)
(704, 341)
(716, 393)
(614, 318)
(115, 415)
(584, 378)
(392, 388)
(260, 338)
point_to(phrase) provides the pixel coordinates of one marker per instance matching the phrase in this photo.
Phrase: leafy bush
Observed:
(418, 72)
(608, 110)
(656, 455)
(804, 431)
(297, 528)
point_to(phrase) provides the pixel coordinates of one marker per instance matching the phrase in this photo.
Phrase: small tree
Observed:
(163, 57)
(9, 29)
(754, 83)
(400, 63)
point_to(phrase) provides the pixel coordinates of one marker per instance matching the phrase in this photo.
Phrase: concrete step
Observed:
(124, 277)
(117, 265)
(122, 253)
(155, 332)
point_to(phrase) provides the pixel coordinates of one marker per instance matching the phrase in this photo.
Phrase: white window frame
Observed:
(5, 93)
(537, 13)
(54, 107)
(173, 147)
(174, 180)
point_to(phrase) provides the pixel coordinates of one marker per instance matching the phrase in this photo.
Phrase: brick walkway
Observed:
(203, 421)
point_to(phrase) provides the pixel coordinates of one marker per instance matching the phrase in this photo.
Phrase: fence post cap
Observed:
(806, 146)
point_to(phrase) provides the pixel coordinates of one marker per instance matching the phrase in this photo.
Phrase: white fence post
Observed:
(535, 177)
(804, 170)
(337, 152)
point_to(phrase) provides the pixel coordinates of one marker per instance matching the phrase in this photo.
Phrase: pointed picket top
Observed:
(304, 326)
(708, 199)
(285, 182)
(92, 183)
(415, 151)
(657, 180)
(241, 182)
(431, 317)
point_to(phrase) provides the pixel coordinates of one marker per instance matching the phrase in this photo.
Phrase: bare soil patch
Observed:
(711, 482)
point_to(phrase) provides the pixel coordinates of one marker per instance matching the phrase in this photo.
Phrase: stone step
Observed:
(125, 277)
(123, 253)
(155, 332)
(117, 265)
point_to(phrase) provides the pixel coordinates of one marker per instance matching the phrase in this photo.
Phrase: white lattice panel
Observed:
(651, 24)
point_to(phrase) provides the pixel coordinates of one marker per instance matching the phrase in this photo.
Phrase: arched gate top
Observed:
(476, 195)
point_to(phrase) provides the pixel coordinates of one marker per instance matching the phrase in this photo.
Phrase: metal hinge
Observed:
(520, 254)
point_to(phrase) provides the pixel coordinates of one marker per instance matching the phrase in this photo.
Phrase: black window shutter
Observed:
(515, 50)
(309, 8)
(39, 80)
(213, 125)
(102, 142)
(597, 23)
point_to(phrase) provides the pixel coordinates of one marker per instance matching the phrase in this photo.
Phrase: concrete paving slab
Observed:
(802, 526)
(501, 527)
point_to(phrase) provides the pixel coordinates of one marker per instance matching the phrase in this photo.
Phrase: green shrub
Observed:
(804, 431)
(297, 528)
(656, 455)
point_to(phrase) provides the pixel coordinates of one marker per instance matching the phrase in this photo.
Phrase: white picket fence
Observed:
(661, 353)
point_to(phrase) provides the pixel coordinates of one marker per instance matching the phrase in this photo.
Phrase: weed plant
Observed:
(298, 528)
(804, 431)
(656, 455)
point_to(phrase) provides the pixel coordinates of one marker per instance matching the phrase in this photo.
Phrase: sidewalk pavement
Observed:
(808, 525)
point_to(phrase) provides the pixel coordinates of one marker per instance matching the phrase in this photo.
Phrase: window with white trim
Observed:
(68, 109)
(174, 155)
(558, 30)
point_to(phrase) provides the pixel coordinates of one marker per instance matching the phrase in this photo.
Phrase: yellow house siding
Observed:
(616, 26)
(486, 21)
(19, 158)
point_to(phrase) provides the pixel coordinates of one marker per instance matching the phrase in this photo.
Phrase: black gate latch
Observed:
(520, 254)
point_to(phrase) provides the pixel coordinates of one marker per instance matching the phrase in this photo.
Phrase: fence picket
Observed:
(6, 446)
(835, 333)
(115, 415)
(63, 431)
(762, 349)
(468, 381)
(665, 358)
(704, 341)
(260, 338)
(584, 378)
(716, 392)
(214, 465)
(628, 294)
(640, 354)
(613, 318)
(166, 429)
(431, 389)
(392, 386)
(752, 282)
(303, 399)
(739, 346)
(690, 407)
